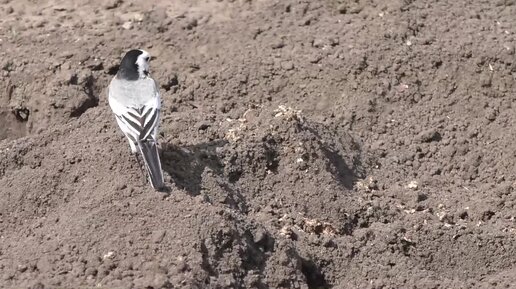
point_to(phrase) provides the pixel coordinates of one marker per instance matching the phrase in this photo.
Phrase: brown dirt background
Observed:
(307, 144)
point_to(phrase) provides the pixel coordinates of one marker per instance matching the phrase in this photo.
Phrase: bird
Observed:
(134, 98)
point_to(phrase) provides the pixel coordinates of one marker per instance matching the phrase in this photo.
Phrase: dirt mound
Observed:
(306, 144)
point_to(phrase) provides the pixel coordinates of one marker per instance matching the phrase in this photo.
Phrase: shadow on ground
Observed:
(186, 164)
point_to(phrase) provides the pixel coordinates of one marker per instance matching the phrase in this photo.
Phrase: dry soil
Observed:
(306, 144)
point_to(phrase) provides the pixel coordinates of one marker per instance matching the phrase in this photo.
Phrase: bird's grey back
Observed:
(133, 92)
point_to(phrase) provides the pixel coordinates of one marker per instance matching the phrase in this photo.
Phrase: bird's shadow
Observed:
(346, 171)
(185, 165)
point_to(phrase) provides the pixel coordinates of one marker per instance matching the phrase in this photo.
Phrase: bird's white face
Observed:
(143, 64)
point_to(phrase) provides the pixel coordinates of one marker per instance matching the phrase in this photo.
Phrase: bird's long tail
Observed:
(149, 151)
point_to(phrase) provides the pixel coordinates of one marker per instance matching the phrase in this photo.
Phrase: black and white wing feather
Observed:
(139, 123)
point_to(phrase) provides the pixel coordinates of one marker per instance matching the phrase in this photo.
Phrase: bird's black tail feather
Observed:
(149, 151)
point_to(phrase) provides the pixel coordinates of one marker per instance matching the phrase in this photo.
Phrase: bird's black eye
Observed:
(147, 58)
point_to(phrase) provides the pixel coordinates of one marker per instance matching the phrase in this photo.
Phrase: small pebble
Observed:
(127, 25)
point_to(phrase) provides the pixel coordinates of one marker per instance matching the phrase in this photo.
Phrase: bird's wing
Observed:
(138, 122)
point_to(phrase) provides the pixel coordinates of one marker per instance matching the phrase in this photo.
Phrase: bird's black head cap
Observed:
(130, 66)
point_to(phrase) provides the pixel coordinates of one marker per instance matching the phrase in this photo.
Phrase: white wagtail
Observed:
(134, 98)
